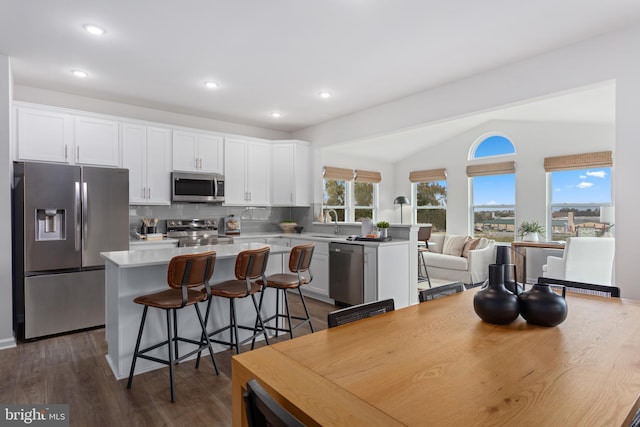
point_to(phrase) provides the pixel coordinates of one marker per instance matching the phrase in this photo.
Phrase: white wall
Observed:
(611, 56)
(533, 141)
(6, 314)
(75, 102)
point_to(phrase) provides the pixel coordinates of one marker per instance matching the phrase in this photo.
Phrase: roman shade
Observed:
(598, 159)
(491, 169)
(331, 172)
(428, 175)
(367, 176)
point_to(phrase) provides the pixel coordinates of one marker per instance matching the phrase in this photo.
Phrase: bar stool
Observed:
(184, 272)
(424, 234)
(299, 262)
(250, 265)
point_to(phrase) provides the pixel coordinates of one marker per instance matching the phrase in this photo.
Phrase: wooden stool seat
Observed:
(285, 281)
(234, 289)
(171, 298)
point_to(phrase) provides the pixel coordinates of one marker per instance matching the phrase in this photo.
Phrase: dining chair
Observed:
(358, 312)
(249, 267)
(581, 287)
(263, 410)
(299, 266)
(184, 273)
(440, 291)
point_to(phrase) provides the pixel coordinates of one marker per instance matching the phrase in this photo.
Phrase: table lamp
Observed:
(401, 200)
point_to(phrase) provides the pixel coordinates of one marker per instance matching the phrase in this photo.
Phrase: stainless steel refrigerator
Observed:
(64, 216)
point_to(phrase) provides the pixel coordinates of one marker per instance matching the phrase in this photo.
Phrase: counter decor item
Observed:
(503, 256)
(231, 225)
(495, 303)
(383, 226)
(541, 306)
(530, 231)
(288, 225)
(299, 229)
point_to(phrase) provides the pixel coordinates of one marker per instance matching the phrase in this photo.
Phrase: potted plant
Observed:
(288, 225)
(529, 231)
(383, 226)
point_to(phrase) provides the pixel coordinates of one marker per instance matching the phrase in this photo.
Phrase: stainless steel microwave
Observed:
(197, 187)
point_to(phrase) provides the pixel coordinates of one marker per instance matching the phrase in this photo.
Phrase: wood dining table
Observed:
(438, 364)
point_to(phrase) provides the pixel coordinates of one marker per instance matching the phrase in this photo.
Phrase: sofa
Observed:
(459, 258)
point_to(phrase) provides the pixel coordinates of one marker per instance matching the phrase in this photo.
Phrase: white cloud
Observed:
(583, 176)
(492, 202)
(585, 185)
(597, 174)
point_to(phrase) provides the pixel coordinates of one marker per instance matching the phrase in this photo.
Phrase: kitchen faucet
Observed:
(336, 229)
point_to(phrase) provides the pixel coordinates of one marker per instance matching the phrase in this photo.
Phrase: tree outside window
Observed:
(431, 204)
(364, 200)
(335, 197)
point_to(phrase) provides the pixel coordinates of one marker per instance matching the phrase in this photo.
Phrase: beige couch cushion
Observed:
(446, 261)
(453, 244)
(470, 245)
(435, 243)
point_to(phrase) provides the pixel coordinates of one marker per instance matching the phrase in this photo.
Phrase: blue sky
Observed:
(575, 186)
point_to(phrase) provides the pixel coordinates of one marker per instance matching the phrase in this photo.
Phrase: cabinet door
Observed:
(44, 135)
(134, 147)
(235, 192)
(210, 153)
(283, 162)
(159, 166)
(258, 171)
(185, 148)
(96, 141)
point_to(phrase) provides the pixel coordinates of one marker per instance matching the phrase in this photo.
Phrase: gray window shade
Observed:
(428, 175)
(598, 159)
(491, 169)
(368, 176)
(331, 172)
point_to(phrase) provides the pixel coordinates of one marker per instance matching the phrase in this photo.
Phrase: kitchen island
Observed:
(137, 272)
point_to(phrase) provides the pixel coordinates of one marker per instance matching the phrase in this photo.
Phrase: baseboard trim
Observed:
(7, 343)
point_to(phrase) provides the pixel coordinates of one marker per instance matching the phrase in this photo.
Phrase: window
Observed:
(352, 194)
(579, 188)
(335, 197)
(577, 201)
(493, 186)
(430, 193)
(364, 195)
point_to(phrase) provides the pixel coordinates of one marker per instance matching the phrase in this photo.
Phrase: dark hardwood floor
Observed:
(72, 369)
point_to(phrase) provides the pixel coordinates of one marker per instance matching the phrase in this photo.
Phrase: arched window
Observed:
(492, 145)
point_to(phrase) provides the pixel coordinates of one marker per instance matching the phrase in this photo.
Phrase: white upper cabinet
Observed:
(247, 172)
(197, 152)
(290, 173)
(44, 135)
(96, 141)
(146, 152)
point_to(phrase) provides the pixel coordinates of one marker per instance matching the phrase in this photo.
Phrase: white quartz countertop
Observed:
(318, 237)
(141, 258)
(133, 241)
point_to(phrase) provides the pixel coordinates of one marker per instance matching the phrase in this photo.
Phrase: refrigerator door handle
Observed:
(85, 213)
(77, 216)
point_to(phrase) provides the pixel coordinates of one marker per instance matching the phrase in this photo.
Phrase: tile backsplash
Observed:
(253, 219)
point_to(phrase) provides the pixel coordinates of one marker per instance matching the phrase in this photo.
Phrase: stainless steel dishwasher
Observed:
(346, 273)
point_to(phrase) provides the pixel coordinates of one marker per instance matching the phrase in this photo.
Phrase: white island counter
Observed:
(133, 273)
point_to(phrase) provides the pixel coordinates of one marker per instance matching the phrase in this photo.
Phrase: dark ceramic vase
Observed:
(543, 307)
(503, 256)
(495, 303)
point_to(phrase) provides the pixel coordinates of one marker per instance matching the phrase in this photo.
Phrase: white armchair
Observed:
(585, 259)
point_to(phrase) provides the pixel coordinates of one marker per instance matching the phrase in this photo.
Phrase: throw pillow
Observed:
(453, 244)
(470, 245)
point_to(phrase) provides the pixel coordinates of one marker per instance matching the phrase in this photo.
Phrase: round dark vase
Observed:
(495, 303)
(543, 307)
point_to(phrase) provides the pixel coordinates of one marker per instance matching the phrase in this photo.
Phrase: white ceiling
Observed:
(273, 55)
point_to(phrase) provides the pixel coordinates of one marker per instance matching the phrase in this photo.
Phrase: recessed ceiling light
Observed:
(212, 85)
(325, 94)
(79, 73)
(94, 29)
(276, 115)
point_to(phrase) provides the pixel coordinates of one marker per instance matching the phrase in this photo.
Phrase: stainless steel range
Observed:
(196, 232)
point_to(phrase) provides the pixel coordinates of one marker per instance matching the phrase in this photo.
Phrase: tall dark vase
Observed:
(495, 303)
(543, 307)
(503, 256)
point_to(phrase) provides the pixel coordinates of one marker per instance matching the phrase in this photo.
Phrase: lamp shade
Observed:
(401, 200)
(607, 214)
